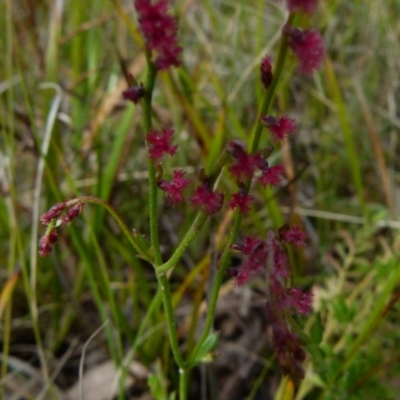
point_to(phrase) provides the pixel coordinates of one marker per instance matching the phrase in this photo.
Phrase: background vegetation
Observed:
(67, 132)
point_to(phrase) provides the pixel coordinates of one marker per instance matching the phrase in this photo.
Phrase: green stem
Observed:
(162, 279)
(198, 221)
(137, 243)
(225, 258)
(190, 235)
(149, 87)
(163, 284)
(183, 383)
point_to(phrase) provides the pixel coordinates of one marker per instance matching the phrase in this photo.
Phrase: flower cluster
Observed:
(160, 143)
(269, 257)
(174, 188)
(288, 350)
(307, 6)
(50, 218)
(308, 47)
(245, 165)
(206, 199)
(241, 200)
(160, 32)
(280, 128)
(202, 198)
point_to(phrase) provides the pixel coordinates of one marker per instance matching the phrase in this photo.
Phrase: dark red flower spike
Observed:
(160, 32)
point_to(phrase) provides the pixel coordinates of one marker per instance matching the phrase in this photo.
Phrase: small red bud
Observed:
(72, 213)
(266, 72)
(134, 93)
(46, 242)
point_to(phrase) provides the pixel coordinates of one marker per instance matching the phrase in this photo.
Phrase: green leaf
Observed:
(157, 383)
(316, 330)
(203, 354)
(172, 396)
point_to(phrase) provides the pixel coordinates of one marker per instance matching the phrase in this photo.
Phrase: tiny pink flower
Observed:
(266, 71)
(160, 31)
(280, 128)
(206, 200)
(159, 143)
(174, 189)
(241, 200)
(54, 212)
(271, 175)
(293, 235)
(134, 93)
(308, 47)
(307, 6)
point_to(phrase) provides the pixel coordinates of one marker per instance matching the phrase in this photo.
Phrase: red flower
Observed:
(308, 47)
(159, 143)
(288, 349)
(294, 235)
(271, 175)
(207, 200)
(299, 301)
(245, 164)
(241, 200)
(280, 259)
(253, 265)
(247, 246)
(279, 127)
(307, 6)
(159, 30)
(174, 189)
